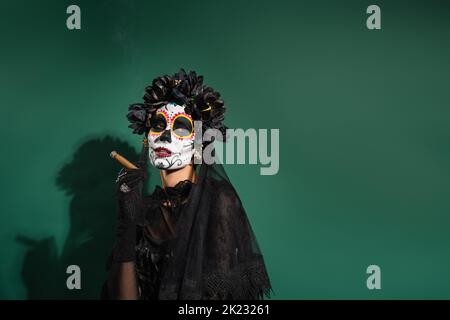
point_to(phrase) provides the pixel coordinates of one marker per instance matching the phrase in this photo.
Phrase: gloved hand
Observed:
(130, 183)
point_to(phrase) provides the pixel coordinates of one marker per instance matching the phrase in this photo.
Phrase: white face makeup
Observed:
(171, 137)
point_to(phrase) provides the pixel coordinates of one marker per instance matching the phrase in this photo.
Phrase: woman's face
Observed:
(171, 137)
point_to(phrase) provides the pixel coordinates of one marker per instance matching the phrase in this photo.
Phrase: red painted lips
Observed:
(162, 152)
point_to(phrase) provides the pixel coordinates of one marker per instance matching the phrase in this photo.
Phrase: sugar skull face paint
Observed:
(171, 137)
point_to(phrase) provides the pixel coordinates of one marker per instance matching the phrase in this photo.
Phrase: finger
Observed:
(120, 176)
(128, 172)
(132, 179)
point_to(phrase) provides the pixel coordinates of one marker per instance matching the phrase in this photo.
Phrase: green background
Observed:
(363, 118)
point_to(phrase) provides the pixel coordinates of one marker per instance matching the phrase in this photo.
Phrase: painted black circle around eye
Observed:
(158, 123)
(182, 126)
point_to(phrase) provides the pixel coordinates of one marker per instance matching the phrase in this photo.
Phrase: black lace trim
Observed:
(250, 281)
(173, 196)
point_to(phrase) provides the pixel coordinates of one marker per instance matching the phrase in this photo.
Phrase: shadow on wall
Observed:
(90, 180)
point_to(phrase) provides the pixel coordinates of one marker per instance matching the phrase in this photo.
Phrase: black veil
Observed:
(215, 254)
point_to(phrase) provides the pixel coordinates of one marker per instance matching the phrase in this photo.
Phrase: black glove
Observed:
(130, 183)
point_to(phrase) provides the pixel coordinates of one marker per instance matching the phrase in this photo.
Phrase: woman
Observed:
(190, 239)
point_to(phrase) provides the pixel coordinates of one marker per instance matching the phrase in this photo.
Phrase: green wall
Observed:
(363, 118)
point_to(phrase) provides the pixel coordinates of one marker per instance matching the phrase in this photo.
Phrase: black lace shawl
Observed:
(197, 243)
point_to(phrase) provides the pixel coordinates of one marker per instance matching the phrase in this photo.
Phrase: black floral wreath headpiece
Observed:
(201, 102)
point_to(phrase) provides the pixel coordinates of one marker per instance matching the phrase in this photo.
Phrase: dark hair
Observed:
(201, 102)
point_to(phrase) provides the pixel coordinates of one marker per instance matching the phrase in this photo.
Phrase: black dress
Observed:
(153, 238)
(197, 243)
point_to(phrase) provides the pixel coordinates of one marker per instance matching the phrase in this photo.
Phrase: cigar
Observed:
(123, 161)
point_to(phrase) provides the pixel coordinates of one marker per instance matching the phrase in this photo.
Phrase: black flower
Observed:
(187, 89)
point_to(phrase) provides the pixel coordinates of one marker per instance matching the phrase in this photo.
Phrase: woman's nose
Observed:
(166, 136)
